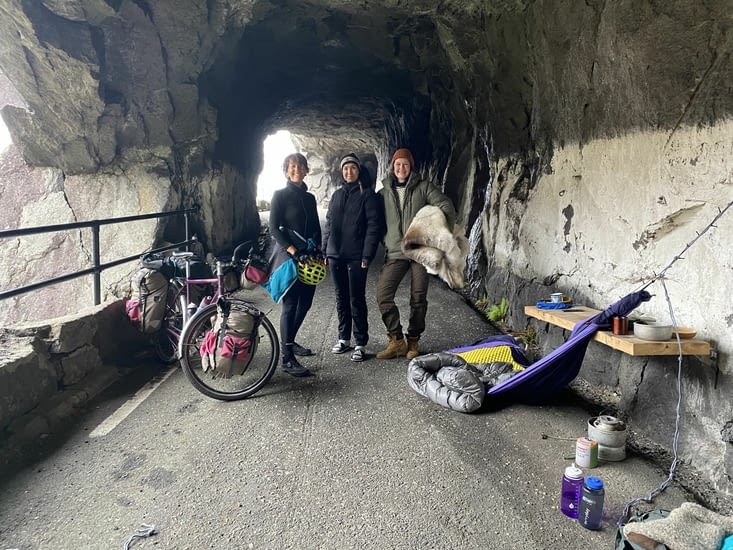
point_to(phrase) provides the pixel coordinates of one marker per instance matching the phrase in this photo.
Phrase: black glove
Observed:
(302, 256)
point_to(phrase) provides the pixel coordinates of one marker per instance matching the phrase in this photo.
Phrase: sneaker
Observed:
(359, 354)
(342, 346)
(301, 351)
(293, 368)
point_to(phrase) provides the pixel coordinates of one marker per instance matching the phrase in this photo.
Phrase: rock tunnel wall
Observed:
(584, 145)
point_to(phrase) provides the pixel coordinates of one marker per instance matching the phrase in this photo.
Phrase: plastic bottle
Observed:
(591, 503)
(572, 485)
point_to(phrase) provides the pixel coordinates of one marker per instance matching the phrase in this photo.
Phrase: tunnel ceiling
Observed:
(104, 80)
(317, 73)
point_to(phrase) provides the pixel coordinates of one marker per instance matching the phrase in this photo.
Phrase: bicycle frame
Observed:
(185, 300)
(185, 305)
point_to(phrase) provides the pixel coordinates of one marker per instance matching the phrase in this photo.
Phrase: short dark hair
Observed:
(297, 158)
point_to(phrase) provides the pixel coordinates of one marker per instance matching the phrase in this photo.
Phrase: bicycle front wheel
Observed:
(261, 362)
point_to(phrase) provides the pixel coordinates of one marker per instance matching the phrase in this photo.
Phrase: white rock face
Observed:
(612, 216)
(617, 212)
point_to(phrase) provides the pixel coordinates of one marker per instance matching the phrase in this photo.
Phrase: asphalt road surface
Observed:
(349, 458)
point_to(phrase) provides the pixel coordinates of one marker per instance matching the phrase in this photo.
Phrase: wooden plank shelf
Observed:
(567, 318)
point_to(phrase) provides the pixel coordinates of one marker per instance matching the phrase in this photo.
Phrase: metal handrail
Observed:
(97, 267)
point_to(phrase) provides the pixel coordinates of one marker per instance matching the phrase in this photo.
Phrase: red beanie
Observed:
(403, 154)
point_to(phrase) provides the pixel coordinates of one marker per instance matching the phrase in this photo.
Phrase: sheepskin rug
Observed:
(430, 242)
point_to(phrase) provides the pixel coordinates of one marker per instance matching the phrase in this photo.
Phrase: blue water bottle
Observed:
(572, 485)
(591, 503)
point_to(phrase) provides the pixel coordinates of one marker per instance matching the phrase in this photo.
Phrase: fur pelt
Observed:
(429, 242)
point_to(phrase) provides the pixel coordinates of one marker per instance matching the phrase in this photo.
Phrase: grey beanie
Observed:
(351, 157)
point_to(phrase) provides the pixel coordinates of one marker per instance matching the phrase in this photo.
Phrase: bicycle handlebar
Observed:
(235, 254)
(157, 261)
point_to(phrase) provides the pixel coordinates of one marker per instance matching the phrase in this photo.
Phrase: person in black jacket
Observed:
(293, 224)
(350, 240)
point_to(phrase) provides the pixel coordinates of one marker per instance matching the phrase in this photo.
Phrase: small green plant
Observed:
(482, 303)
(528, 338)
(498, 312)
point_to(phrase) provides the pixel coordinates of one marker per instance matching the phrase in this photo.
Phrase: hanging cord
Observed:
(675, 439)
(680, 256)
(144, 531)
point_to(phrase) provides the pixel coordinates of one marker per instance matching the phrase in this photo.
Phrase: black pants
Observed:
(350, 279)
(296, 303)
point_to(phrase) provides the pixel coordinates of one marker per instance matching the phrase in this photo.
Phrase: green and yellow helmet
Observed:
(312, 272)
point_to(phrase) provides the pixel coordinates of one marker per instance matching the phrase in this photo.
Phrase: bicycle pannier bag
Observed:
(231, 280)
(159, 262)
(227, 348)
(146, 307)
(197, 268)
(256, 272)
(252, 277)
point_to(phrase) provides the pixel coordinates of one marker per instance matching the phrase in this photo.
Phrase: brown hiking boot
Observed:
(396, 347)
(412, 350)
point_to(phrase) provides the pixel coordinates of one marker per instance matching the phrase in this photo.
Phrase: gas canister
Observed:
(586, 452)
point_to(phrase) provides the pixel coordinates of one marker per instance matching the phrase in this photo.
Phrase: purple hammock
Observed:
(555, 370)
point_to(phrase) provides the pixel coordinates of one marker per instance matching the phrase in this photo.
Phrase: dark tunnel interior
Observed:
(315, 80)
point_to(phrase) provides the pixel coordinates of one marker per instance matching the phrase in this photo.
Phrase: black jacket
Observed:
(293, 212)
(354, 223)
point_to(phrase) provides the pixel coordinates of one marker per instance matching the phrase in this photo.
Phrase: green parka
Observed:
(418, 193)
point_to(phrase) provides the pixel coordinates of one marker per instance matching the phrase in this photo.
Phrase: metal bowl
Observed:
(652, 331)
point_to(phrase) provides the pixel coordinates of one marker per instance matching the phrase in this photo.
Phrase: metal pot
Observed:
(607, 431)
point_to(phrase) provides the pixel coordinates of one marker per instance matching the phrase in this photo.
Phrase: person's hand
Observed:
(302, 256)
(364, 264)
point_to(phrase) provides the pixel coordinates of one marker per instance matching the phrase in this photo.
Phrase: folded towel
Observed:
(543, 304)
(689, 527)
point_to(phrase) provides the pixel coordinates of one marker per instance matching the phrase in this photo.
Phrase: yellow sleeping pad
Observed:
(490, 355)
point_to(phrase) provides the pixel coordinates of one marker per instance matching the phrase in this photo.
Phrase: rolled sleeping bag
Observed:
(447, 380)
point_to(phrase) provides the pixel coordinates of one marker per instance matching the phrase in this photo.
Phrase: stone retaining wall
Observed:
(49, 367)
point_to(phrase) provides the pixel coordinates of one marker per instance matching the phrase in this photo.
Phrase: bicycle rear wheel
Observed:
(261, 363)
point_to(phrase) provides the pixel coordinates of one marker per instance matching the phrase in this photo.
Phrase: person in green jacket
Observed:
(404, 193)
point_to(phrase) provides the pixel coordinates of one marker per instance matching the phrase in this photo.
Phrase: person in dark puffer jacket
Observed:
(350, 240)
(293, 222)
